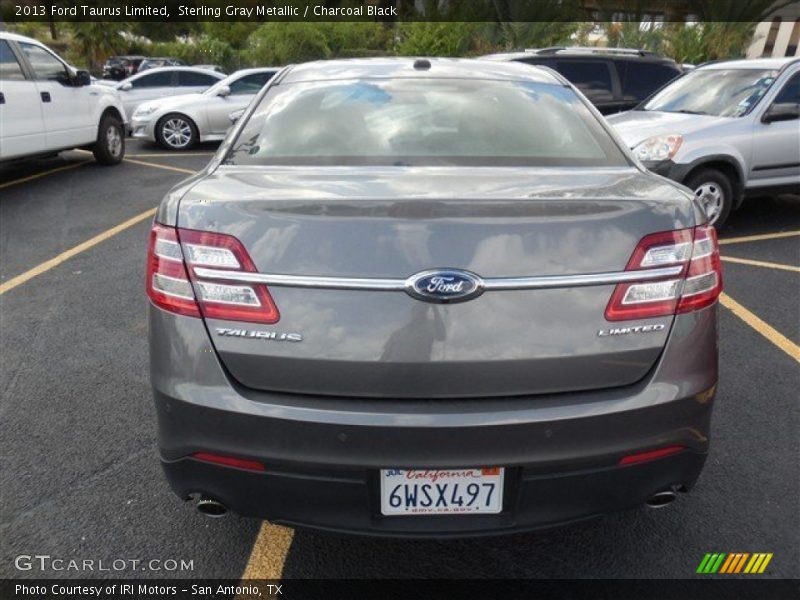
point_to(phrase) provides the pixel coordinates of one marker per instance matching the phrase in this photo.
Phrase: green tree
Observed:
(701, 42)
(537, 34)
(351, 38)
(283, 43)
(234, 33)
(523, 24)
(95, 41)
(434, 38)
(635, 34)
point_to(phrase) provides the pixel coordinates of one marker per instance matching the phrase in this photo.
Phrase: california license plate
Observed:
(437, 492)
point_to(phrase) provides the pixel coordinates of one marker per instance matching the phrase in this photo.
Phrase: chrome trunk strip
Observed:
(399, 285)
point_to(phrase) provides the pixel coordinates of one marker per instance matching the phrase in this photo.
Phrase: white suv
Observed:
(47, 106)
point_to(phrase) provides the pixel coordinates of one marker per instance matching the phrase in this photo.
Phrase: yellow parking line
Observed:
(43, 174)
(268, 556)
(152, 164)
(760, 263)
(758, 238)
(769, 332)
(159, 166)
(57, 260)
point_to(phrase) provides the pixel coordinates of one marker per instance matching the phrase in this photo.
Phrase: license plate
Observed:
(436, 492)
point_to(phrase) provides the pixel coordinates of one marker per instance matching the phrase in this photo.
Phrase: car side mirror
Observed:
(126, 86)
(236, 115)
(785, 111)
(224, 91)
(82, 78)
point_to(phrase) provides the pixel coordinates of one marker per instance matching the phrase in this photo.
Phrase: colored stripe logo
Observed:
(734, 563)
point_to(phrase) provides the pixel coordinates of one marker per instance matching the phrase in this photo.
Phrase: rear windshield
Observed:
(423, 122)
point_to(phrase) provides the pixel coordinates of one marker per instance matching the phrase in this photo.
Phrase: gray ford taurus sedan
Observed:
(430, 297)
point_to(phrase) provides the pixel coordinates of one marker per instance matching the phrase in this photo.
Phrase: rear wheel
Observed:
(714, 190)
(176, 132)
(109, 149)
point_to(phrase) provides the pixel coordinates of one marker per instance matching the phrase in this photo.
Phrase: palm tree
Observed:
(96, 41)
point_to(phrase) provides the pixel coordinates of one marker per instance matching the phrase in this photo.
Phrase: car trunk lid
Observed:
(389, 223)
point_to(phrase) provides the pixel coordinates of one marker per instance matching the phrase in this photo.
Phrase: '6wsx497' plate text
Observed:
(435, 491)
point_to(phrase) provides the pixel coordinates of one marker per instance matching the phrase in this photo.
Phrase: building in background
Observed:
(778, 36)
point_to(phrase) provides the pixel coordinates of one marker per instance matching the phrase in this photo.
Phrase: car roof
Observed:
(588, 52)
(7, 35)
(751, 63)
(216, 74)
(445, 68)
(253, 70)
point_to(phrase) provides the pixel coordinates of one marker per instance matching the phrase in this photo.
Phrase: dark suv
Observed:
(613, 79)
(120, 67)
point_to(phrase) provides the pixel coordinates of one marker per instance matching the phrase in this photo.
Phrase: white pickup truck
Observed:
(47, 106)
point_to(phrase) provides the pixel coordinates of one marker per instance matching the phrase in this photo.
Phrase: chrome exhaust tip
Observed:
(661, 499)
(211, 508)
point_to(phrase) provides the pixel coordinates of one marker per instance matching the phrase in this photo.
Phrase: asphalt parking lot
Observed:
(80, 476)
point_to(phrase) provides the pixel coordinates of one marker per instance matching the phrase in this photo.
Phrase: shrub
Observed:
(284, 43)
(347, 38)
(701, 42)
(434, 39)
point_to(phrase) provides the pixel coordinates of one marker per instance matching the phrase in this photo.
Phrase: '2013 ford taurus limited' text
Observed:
(430, 297)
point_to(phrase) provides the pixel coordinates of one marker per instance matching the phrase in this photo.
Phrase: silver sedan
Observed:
(179, 122)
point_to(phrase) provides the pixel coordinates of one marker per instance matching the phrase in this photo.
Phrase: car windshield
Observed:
(423, 122)
(717, 92)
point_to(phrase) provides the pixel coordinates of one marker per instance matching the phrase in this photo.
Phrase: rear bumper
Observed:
(323, 455)
(349, 502)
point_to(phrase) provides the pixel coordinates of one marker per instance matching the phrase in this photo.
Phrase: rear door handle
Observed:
(2, 98)
(45, 96)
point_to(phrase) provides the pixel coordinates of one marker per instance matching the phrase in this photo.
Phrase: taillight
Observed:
(172, 283)
(698, 285)
(167, 282)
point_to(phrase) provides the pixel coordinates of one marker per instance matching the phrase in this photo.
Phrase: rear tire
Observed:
(109, 149)
(715, 192)
(176, 132)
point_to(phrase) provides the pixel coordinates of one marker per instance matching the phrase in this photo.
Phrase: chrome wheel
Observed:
(113, 141)
(176, 132)
(712, 199)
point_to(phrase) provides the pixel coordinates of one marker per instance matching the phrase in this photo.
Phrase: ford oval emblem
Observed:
(444, 285)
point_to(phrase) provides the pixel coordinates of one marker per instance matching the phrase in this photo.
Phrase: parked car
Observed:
(118, 68)
(179, 122)
(725, 130)
(613, 79)
(163, 82)
(47, 105)
(155, 62)
(430, 297)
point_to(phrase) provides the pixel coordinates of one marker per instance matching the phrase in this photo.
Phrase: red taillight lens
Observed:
(649, 455)
(697, 286)
(703, 283)
(172, 283)
(167, 283)
(229, 461)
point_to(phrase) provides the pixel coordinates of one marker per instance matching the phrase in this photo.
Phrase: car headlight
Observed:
(145, 109)
(658, 148)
